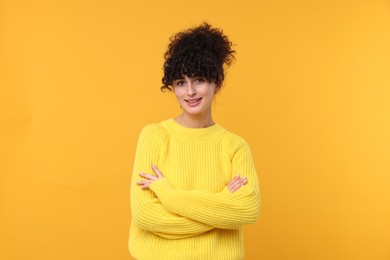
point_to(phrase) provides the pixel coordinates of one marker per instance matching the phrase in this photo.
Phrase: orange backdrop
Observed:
(309, 91)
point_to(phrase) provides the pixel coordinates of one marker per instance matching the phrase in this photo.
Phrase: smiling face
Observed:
(194, 94)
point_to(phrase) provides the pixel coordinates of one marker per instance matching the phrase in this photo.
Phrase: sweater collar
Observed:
(192, 133)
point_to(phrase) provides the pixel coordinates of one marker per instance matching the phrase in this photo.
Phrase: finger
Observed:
(235, 187)
(243, 181)
(148, 176)
(236, 181)
(233, 180)
(157, 171)
(239, 183)
(145, 184)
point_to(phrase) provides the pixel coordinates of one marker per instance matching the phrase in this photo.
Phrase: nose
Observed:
(191, 90)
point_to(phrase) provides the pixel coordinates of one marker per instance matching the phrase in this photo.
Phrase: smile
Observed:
(193, 102)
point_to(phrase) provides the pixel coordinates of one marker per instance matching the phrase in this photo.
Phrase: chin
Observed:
(193, 113)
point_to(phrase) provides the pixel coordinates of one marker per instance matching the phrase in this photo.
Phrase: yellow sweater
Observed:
(190, 213)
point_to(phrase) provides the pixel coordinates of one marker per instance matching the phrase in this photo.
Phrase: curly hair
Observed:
(197, 52)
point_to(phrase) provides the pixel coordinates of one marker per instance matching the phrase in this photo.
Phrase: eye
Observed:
(179, 83)
(200, 80)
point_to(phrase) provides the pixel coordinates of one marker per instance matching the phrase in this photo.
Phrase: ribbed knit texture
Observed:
(190, 213)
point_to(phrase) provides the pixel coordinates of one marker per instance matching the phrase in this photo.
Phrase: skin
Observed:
(193, 88)
(199, 116)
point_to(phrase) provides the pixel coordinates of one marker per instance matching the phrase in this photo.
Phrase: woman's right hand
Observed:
(236, 183)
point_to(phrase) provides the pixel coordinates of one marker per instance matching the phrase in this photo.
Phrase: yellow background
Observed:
(310, 92)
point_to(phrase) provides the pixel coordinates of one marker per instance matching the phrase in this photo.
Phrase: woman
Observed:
(194, 184)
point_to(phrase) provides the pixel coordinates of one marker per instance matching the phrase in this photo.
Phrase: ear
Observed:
(217, 87)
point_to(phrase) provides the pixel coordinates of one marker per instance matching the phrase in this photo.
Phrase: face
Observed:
(194, 94)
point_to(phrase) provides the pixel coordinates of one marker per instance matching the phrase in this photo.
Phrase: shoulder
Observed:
(234, 138)
(151, 129)
(234, 141)
(153, 132)
(238, 148)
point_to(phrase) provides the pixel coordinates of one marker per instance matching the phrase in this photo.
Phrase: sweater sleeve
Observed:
(221, 210)
(147, 211)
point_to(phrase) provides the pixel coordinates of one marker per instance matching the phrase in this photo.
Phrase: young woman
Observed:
(194, 183)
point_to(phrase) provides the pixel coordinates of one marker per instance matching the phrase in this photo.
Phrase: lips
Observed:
(193, 102)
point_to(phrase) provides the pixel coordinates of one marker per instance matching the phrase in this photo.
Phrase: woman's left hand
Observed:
(149, 179)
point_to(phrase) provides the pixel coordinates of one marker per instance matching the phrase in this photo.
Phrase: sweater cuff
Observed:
(161, 188)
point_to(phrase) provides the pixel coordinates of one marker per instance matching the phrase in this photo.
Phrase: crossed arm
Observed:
(159, 208)
(221, 210)
(232, 186)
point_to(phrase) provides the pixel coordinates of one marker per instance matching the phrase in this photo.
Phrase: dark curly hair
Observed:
(197, 52)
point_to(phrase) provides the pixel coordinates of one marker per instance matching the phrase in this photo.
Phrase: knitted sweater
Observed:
(190, 213)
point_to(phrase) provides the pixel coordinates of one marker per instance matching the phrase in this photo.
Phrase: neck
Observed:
(195, 121)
